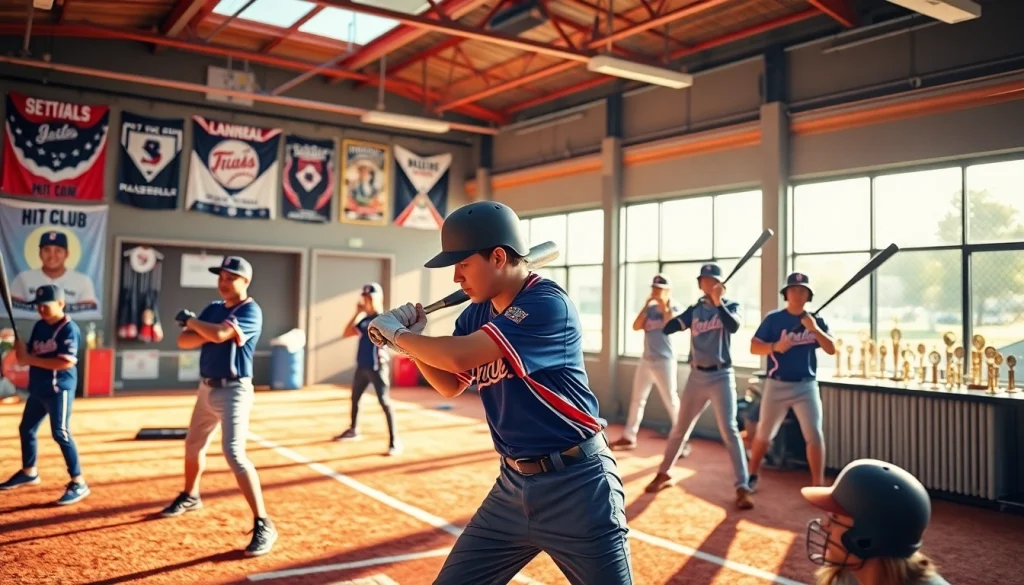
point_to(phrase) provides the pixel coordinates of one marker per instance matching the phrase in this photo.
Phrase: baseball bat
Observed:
(764, 237)
(538, 257)
(876, 261)
(5, 291)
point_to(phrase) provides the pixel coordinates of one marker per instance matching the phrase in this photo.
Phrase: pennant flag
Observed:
(150, 171)
(233, 169)
(309, 176)
(421, 189)
(54, 149)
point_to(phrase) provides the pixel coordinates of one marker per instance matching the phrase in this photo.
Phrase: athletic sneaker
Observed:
(20, 479)
(349, 435)
(743, 499)
(395, 448)
(75, 492)
(686, 450)
(753, 483)
(622, 444)
(660, 482)
(183, 503)
(264, 535)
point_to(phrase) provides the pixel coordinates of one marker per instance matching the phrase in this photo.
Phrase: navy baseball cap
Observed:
(661, 281)
(49, 293)
(712, 270)
(372, 288)
(235, 265)
(797, 279)
(54, 238)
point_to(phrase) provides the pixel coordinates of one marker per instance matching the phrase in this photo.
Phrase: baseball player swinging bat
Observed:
(5, 291)
(872, 265)
(540, 255)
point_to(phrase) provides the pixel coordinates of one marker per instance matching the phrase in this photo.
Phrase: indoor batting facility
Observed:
(476, 292)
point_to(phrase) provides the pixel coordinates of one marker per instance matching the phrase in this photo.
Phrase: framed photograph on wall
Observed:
(366, 182)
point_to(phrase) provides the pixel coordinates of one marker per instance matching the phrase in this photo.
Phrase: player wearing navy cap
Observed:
(791, 380)
(52, 357)
(520, 341)
(227, 332)
(79, 292)
(658, 364)
(712, 321)
(372, 365)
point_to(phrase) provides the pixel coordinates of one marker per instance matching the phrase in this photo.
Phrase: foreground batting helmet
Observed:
(478, 226)
(889, 506)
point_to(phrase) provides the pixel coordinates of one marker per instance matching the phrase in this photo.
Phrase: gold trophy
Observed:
(869, 372)
(922, 352)
(949, 338)
(1011, 362)
(883, 350)
(990, 354)
(897, 336)
(849, 360)
(908, 358)
(934, 358)
(839, 357)
(998, 361)
(958, 353)
(977, 343)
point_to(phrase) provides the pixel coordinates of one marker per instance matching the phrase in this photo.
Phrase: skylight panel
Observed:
(280, 13)
(361, 29)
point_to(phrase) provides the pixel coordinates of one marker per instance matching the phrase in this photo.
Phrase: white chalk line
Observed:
(438, 552)
(378, 495)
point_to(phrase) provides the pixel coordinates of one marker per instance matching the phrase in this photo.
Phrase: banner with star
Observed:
(54, 149)
(150, 171)
(308, 181)
(421, 189)
(233, 169)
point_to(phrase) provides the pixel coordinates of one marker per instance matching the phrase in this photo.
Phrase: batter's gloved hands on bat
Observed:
(183, 316)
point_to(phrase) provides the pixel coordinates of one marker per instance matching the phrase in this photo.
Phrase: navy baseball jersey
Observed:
(801, 360)
(369, 355)
(710, 341)
(537, 398)
(658, 345)
(232, 358)
(62, 339)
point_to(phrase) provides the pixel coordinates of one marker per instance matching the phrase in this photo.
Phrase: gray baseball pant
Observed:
(805, 400)
(661, 373)
(229, 406)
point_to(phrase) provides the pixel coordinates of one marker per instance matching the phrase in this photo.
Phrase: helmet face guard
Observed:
(818, 543)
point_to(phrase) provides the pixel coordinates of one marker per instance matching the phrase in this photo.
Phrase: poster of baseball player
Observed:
(421, 189)
(150, 171)
(233, 171)
(54, 244)
(366, 172)
(54, 149)
(308, 183)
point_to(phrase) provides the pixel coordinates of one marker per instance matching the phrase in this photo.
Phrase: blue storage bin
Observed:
(287, 361)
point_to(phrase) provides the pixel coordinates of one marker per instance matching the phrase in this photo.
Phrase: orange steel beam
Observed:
(624, 19)
(718, 41)
(183, 12)
(841, 11)
(404, 88)
(689, 10)
(270, 46)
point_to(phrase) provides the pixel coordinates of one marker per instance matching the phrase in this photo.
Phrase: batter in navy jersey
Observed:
(371, 365)
(712, 321)
(792, 375)
(52, 357)
(520, 342)
(226, 333)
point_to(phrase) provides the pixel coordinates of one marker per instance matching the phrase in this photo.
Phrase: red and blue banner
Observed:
(54, 149)
(421, 189)
(309, 179)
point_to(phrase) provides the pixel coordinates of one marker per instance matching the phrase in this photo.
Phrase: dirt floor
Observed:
(347, 513)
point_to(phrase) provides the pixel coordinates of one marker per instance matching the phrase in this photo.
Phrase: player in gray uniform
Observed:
(658, 365)
(712, 321)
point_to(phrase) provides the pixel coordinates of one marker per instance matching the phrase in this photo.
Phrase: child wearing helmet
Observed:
(876, 516)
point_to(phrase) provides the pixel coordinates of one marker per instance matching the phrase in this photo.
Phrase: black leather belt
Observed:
(724, 366)
(571, 456)
(791, 381)
(220, 382)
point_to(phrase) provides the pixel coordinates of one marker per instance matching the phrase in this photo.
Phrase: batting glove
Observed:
(385, 328)
(412, 318)
(183, 316)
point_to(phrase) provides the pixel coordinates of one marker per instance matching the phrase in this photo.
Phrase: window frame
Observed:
(625, 314)
(967, 249)
(569, 266)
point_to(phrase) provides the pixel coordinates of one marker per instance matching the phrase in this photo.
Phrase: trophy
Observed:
(883, 350)
(849, 360)
(1011, 362)
(863, 364)
(949, 338)
(922, 352)
(997, 360)
(958, 353)
(897, 336)
(908, 358)
(934, 358)
(869, 371)
(990, 354)
(977, 344)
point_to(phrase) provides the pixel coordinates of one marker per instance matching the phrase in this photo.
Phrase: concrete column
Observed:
(774, 202)
(483, 185)
(611, 201)
(484, 166)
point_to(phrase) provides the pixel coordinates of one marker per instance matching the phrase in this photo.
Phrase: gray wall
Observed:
(411, 247)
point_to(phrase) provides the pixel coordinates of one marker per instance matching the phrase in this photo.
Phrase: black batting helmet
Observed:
(889, 507)
(478, 226)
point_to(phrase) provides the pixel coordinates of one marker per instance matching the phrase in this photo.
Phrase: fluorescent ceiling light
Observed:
(382, 118)
(948, 11)
(615, 67)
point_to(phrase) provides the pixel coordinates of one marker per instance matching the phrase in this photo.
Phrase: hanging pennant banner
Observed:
(54, 149)
(366, 175)
(421, 189)
(308, 184)
(233, 171)
(150, 171)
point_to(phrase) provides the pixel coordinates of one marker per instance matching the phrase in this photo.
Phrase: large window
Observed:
(947, 244)
(580, 237)
(675, 238)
